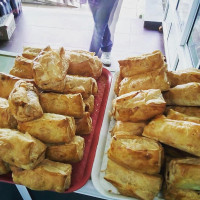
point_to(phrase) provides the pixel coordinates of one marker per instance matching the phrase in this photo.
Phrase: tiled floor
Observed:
(72, 28)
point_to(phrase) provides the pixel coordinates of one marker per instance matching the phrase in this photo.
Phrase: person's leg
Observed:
(101, 12)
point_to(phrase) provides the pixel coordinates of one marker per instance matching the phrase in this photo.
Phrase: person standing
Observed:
(101, 38)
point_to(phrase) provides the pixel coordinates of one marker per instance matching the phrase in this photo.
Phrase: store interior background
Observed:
(41, 25)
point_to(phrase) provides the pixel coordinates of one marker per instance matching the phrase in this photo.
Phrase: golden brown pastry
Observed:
(31, 52)
(127, 128)
(84, 125)
(182, 135)
(183, 76)
(131, 183)
(22, 68)
(24, 102)
(89, 104)
(50, 68)
(117, 83)
(85, 85)
(64, 104)
(183, 95)
(7, 83)
(187, 110)
(184, 173)
(68, 152)
(6, 118)
(137, 153)
(141, 64)
(4, 167)
(138, 106)
(48, 175)
(172, 114)
(84, 63)
(20, 149)
(156, 79)
(50, 128)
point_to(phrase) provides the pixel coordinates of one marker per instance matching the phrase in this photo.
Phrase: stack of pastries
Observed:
(44, 113)
(156, 134)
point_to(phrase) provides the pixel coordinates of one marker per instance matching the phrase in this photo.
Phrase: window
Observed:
(194, 41)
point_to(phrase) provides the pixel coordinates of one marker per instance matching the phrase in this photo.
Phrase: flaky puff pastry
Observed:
(183, 95)
(131, 183)
(89, 104)
(21, 150)
(6, 118)
(156, 79)
(172, 114)
(22, 68)
(63, 104)
(71, 152)
(50, 68)
(182, 135)
(4, 167)
(84, 63)
(85, 85)
(127, 128)
(118, 80)
(24, 102)
(192, 111)
(184, 173)
(48, 175)
(183, 76)
(171, 193)
(137, 153)
(141, 64)
(50, 128)
(84, 124)
(138, 106)
(31, 52)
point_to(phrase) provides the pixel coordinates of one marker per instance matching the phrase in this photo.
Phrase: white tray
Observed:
(100, 161)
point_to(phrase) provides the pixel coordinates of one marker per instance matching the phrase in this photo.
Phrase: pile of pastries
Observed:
(46, 103)
(155, 141)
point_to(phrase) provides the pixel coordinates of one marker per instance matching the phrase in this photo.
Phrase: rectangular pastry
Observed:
(137, 153)
(184, 173)
(131, 183)
(84, 63)
(63, 104)
(50, 128)
(24, 102)
(172, 114)
(48, 175)
(22, 68)
(127, 128)
(182, 135)
(141, 64)
(84, 124)
(156, 79)
(4, 167)
(20, 149)
(85, 85)
(71, 152)
(138, 106)
(183, 76)
(50, 68)
(6, 118)
(193, 111)
(31, 52)
(183, 95)
(89, 104)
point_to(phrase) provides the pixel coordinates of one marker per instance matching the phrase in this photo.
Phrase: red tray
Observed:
(81, 171)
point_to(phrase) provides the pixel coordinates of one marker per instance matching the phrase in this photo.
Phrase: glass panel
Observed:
(194, 41)
(183, 9)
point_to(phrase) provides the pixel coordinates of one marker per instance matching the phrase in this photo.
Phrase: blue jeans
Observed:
(101, 39)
